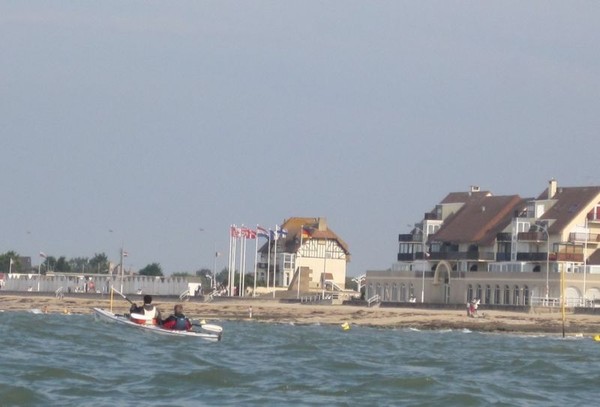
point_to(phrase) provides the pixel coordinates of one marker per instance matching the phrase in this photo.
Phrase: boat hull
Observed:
(107, 316)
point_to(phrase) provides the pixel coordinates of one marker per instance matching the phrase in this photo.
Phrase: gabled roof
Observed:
(316, 228)
(480, 219)
(570, 202)
(460, 197)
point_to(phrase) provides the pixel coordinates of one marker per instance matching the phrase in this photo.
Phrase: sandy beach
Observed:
(268, 311)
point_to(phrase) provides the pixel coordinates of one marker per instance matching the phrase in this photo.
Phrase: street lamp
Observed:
(211, 280)
(422, 265)
(545, 229)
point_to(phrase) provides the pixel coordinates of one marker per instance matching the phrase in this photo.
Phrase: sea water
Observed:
(74, 360)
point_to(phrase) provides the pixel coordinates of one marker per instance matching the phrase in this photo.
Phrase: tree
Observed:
(79, 265)
(181, 274)
(203, 272)
(62, 265)
(5, 262)
(98, 264)
(152, 269)
(223, 277)
(47, 264)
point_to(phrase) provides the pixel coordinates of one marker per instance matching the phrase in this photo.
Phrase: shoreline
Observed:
(269, 311)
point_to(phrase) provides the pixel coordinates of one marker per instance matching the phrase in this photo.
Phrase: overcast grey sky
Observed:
(166, 122)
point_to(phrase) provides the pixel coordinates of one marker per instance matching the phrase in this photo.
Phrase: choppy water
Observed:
(62, 360)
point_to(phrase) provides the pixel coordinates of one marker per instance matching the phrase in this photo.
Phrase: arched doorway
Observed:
(572, 297)
(441, 279)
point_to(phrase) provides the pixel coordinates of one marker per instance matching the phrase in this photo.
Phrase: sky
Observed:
(155, 125)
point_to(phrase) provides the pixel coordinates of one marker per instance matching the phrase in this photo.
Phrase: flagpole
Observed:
(213, 283)
(121, 268)
(298, 255)
(242, 264)
(233, 262)
(10, 266)
(585, 259)
(42, 255)
(229, 260)
(275, 259)
(268, 260)
(255, 261)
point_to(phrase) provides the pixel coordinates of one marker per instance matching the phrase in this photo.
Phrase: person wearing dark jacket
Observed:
(177, 320)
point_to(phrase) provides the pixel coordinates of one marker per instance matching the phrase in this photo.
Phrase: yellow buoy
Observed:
(597, 338)
(346, 326)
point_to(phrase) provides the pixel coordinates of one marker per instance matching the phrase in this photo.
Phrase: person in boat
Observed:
(151, 313)
(177, 320)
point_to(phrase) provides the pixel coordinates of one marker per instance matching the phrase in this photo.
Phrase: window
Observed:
(506, 295)
(395, 292)
(479, 293)
(497, 295)
(402, 292)
(516, 296)
(469, 293)
(525, 295)
(488, 294)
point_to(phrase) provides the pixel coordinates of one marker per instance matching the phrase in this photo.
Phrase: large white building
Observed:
(503, 250)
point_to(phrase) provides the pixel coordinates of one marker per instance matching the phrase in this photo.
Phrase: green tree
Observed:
(5, 262)
(47, 264)
(203, 272)
(98, 264)
(62, 265)
(79, 264)
(181, 274)
(152, 269)
(223, 277)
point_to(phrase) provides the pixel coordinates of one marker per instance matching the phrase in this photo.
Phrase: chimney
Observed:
(474, 188)
(552, 184)
(322, 224)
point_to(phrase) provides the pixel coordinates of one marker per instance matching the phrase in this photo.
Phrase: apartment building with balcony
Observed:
(502, 250)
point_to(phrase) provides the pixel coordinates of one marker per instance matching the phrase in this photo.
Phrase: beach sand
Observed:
(270, 311)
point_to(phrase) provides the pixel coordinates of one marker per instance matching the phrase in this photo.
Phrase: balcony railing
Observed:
(575, 257)
(532, 236)
(409, 237)
(527, 256)
(503, 256)
(412, 256)
(472, 255)
(504, 237)
(582, 237)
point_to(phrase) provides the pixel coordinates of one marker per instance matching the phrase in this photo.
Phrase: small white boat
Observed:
(209, 332)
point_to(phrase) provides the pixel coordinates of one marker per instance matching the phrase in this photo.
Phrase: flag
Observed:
(217, 254)
(11, 261)
(125, 254)
(235, 232)
(306, 232)
(281, 232)
(247, 233)
(42, 254)
(262, 232)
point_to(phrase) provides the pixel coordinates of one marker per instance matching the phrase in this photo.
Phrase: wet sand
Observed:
(269, 311)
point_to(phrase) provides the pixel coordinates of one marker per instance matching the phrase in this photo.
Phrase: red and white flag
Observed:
(236, 232)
